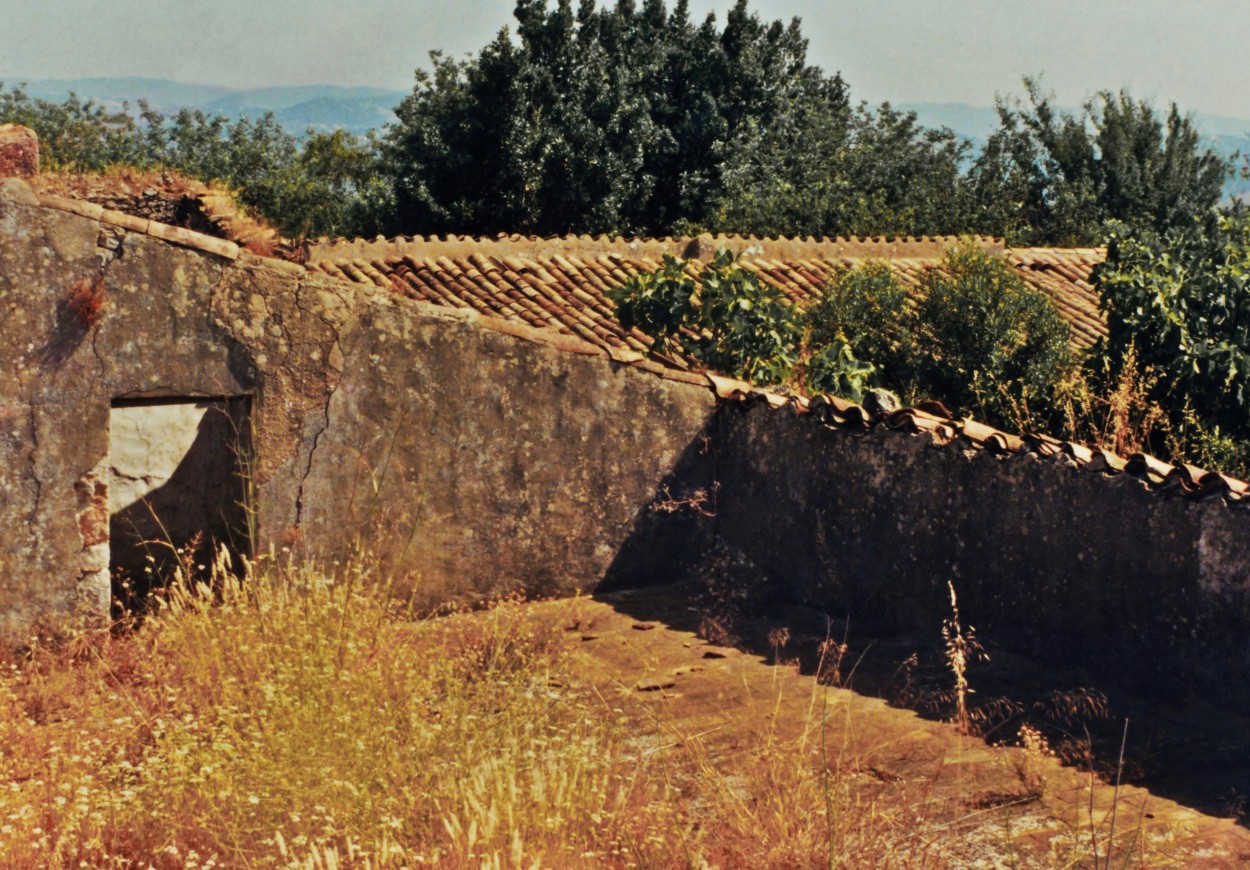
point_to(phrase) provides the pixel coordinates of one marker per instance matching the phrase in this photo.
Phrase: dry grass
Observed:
(290, 721)
(86, 299)
(295, 721)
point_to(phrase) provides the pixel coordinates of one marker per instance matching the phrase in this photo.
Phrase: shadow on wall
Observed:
(1069, 566)
(69, 330)
(1071, 577)
(672, 535)
(178, 490)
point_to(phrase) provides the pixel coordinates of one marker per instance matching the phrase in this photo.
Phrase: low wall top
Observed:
(19, 151)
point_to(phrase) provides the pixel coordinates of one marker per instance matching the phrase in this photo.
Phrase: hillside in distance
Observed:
(298, 108)
(324, 108)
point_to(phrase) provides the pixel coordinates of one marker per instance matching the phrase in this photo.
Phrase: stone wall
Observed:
(466, 456)
(1133, 583)
(467, 460)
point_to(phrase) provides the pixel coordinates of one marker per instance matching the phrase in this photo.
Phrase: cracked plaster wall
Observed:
(464, 461)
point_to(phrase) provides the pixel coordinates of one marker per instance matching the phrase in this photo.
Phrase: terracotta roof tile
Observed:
(1184, 480)
(562, 284)
(556, 294)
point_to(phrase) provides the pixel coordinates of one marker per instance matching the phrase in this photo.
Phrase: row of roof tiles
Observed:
(567, 290)
(934, 420)
(560, 283)
(704, 246)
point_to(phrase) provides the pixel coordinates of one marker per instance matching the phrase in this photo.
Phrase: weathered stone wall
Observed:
(488, 463)
(1071, 566)
(19, 151)
(466, 460)
(468, 457)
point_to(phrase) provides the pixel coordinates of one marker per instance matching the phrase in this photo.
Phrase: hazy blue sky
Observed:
(1190, 51)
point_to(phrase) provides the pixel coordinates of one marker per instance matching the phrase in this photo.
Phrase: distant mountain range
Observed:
(297, 108)
(358, 110)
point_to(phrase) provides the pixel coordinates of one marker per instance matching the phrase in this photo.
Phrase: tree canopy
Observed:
(1055, 178)
(637, 120)
(633, 118)
(598, 120)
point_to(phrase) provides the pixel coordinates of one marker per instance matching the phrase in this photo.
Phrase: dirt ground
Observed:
(983, 805)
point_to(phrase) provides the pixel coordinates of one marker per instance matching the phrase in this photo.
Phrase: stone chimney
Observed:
(19, 151)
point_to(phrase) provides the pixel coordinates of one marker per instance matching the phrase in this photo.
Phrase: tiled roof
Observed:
(561, 284)
(1064, 273)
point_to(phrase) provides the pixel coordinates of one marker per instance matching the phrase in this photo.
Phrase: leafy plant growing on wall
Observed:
(977, 337)
(729, 319)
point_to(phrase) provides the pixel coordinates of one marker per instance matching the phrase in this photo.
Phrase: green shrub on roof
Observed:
(730, 320)
(985, 342)
(866, 309)
(977, 337)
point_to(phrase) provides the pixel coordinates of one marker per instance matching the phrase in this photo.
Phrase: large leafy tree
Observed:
(1052, 177)
(831, 171)
(595, 120)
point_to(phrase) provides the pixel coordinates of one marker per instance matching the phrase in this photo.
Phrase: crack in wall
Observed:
(34, 465)
(332, 382)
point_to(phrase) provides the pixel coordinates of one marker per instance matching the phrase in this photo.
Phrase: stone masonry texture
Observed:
(19, 151)
(464, 460)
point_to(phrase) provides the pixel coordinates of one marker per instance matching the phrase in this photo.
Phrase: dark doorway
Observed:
(178, 491)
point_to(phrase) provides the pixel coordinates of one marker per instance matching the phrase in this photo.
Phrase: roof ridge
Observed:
(142, 226)
(686, 247)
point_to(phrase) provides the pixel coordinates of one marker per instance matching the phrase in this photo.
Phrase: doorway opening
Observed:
(178, 491)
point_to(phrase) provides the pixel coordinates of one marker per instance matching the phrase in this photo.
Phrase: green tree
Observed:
(595, 120)
(1051, 177)
(867, 310)
(326, 184)
(828, 170)
(76, 135)
(978, 339)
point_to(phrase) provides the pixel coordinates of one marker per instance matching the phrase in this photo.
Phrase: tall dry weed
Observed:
(285, 717)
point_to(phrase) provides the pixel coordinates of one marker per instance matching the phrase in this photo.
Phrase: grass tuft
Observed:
(292, 720)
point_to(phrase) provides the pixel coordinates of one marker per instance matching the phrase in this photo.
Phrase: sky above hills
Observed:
(907, 51)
